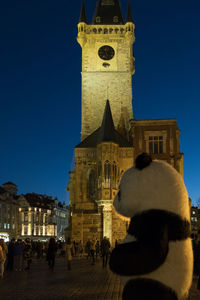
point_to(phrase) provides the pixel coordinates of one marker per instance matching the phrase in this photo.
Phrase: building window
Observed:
(91, 187)
(114, 175)
(5, 225)
(107, 2)
(193, 212)
(115, 19)
(99, 174)
(25, 217)
(107, 171)
(155, 144)
(98, 19)
(8, 226)
(25, 230)
(194, 219)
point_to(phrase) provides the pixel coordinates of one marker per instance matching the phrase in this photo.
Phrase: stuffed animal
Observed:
(155, 260)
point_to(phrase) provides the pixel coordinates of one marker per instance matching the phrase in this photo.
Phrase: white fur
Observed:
(177, 270)
(159, 186)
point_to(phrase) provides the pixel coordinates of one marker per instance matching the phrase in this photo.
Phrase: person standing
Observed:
(28, 253)
(69, 253)
(197, 261)
(18, 255)
(10, 261)
(97, 247)
(92, 250)
(51, 253)
(3, 252)
(105, 251)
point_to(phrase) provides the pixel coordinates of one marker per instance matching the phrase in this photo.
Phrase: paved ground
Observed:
(84, 282)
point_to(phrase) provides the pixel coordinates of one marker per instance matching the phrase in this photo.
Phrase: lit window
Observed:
(5, 225)
(8, 226)
(13, 226)
(20, 209)
(193, 212)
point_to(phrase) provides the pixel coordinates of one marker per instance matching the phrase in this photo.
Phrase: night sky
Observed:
(40, 85)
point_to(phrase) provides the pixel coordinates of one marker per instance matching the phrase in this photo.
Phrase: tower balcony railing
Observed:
(106, 29)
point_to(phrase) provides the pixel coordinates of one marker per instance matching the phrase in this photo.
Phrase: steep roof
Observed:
(82, 17)
(129, 16)
(107, 12)
(105, 133)
(37, 200)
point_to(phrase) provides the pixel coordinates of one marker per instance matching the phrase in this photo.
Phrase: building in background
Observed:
(110, 137)
(195, 219)
(32, 215)
(9, 218)
(61, 213)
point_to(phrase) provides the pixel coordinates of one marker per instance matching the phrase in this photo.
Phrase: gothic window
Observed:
(95, 30)
(155, 144)
(98, 19)
(107, 2)
(99, 174)
(91, 187)
(115, 19)
(107, 171)
(114, 175)
(105, 30)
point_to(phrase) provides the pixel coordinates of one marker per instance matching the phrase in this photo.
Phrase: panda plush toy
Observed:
(155, 260)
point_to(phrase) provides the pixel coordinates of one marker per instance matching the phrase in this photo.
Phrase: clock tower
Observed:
(106, 150)
(107, 66)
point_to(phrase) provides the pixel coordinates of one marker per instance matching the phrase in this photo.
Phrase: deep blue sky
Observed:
(40, 85)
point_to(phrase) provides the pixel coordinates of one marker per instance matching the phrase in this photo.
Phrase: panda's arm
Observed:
(142, 256)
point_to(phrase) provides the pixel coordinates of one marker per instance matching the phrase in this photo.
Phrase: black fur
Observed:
(142, 161)
(142, 256)
(146, 289)
(153, 230)
(147, 224)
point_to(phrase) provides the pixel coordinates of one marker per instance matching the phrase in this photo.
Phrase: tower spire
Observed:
(129, 16)
(82, 17)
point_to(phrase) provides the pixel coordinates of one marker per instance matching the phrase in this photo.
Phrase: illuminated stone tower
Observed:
(105, 151)
(107, 66)
(109, 141)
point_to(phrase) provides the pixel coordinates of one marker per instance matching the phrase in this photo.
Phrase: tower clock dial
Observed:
(106, 52)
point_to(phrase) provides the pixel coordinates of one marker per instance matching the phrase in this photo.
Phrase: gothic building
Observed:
(110, 137)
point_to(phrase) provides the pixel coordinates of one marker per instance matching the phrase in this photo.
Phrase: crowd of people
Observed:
(17, 255)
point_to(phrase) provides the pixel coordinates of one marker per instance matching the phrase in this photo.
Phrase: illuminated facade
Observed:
(36, 215)
(110, 138)
(9, 218)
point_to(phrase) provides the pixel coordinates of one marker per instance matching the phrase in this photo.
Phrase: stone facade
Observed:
(106, 79)
(9, 218)
(100, 163)
(167, 140)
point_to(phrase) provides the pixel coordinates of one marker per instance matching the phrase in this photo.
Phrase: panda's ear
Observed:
(142, 161)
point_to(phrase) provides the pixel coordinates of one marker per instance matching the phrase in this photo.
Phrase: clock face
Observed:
(106, 52)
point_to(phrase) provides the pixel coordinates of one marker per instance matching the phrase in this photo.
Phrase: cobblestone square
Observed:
(84, 282)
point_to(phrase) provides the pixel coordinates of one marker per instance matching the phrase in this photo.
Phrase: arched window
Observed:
(91, 185)
(107, 171)
(114, 175)
(99, 174)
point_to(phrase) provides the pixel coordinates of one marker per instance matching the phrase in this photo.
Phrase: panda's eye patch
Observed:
(119, 195)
